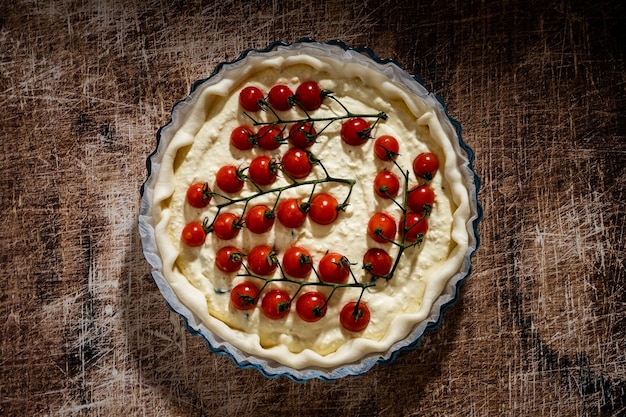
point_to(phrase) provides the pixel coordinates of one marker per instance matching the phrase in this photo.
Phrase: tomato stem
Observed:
(266, 106)
(301, 284)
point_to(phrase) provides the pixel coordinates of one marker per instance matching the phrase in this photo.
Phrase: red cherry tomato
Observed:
(297, 262)
(249, 98)
(270, 137)
(309, 95)
(290, 213)
(311, 306)
(302, 135)
(228, 259)
(226, 226)
(242, 138)
(296, 163)
(386, 148)
(262, 260)
(279, 97)
(354, 318)
(355, 131)
(425, 165)
(386, 184)
(421, 199)
(382, 228)
(415, 225)
(377, 262)
(228, 179)
(193, 234)
(244, 296)
(262, 170)
(199, 195)
(260, 219)
(276, 304)
(334, 268)
(323, 209)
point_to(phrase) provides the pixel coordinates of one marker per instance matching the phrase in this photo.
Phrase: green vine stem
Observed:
(347, 114)
(208, 226)
(402, 245)
(265, 106)
(302, 284)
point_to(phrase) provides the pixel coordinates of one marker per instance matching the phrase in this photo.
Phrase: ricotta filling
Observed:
(201, 146)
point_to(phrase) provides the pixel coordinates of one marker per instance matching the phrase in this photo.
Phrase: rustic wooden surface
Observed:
(539, 87)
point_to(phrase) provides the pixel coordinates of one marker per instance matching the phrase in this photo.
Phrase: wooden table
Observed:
(539, 87)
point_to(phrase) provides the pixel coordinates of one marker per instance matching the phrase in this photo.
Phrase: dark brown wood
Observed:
(539, 87)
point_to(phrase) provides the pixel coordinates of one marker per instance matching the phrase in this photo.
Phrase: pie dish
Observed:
(310, 210)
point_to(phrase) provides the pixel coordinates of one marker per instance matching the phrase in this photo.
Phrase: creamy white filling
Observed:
(201, 146)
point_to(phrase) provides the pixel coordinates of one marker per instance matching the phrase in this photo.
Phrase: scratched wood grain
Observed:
(539, 87)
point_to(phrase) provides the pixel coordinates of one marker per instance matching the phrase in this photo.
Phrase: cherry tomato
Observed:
(296, 163)
(377, 262)
(334, 268)
(244, 296)
(323, 209)
(297, 262)
(226, 226)
(228, 259)
(276, 304)
(309, 95)
(249, 98)
(290, 213)
(311, 306)
(355, 318)
(193, 234)
(228, 179)
(242, 138)
(262, 170)
(270, 137)
(415, 225)
(262, 260)
(425, 165)
(386, 184)
(382, 227)
(279, 97)
(260, 219)
(386, 148)
(421, 199)
(302, 135)
(199, 195)
(355, 131)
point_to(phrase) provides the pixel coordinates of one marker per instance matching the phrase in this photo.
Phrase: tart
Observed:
(309, 210)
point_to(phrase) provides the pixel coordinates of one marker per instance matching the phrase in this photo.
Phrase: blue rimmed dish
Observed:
(271, 367)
